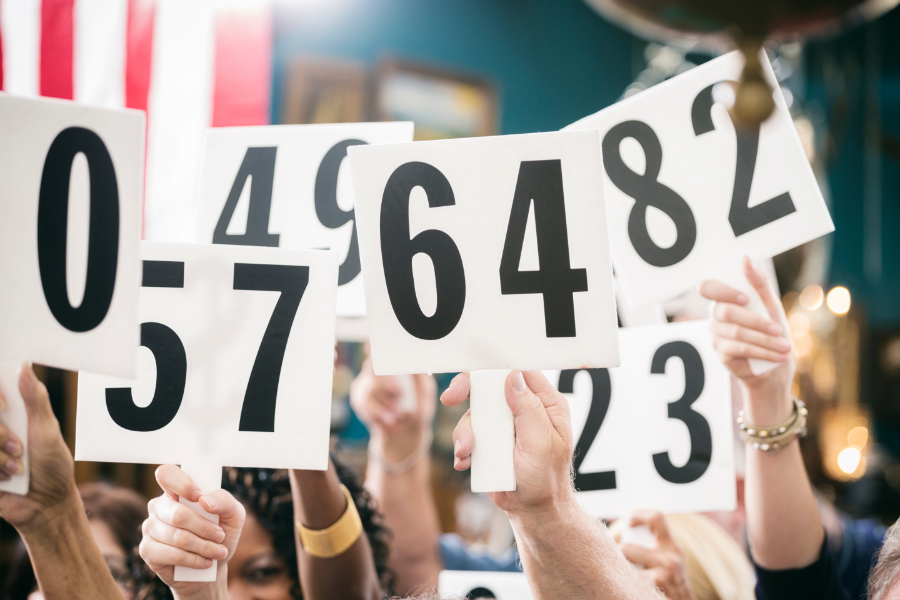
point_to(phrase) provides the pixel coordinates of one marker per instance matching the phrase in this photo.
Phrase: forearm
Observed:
(783, 522)
(409, 511)
(318, 504)
(567, 554)
(67, 563)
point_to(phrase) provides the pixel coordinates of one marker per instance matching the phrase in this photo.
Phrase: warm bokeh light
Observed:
(799, 323)
(858, 437)
(839, 300)
(848, 459)
(811, 297)
(803, 344)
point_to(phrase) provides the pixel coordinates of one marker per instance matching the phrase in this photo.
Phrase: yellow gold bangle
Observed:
(336, 539)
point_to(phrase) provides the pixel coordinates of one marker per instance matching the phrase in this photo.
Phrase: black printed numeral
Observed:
(698, 427)
(647, 191)
(329, 213)
(397, 251)
(53, 225)
(601, 392)
(258, 411)
(681, 409)
(258, 166)
(258, 408)
(742, 217)
(541, 182)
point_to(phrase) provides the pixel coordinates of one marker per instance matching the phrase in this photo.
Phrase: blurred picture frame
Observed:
(325, 90)
(442, 103)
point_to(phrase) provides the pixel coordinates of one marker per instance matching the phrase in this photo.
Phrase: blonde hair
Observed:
(717, 568)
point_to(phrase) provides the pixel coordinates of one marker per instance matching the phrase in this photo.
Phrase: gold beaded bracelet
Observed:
(774, 438)
(337, 538)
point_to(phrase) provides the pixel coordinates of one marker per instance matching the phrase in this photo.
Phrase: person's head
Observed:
(115, 516)
(264, 565)
(884, 580)
(717, 567)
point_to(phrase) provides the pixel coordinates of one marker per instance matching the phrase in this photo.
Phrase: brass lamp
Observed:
(746, 24)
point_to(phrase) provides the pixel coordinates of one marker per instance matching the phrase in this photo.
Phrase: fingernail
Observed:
(13, 466)
(220, 536)
(27, 389)
(455, 461)
(774, 329)
(13, 447)
(210, 501)
(456, 447)
(783, 344)
(221, 552)
(207, 563)
(2, 402)
(519, 383)
(741, 299)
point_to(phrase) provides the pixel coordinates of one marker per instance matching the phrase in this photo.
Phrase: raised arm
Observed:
(565, 553)
(50, 518)
(398, 473)
(330, 569)
(783, 521)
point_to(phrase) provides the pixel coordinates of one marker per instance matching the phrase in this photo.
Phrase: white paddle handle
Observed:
(493, 469)
(209, 478)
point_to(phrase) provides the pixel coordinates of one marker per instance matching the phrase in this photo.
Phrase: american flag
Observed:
(190, 64)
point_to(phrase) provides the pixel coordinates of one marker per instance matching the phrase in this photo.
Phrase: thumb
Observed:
(34, 393)
(529, 412)
(220, 502)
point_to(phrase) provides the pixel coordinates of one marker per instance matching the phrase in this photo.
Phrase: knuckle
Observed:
(180, 517)
(178, 538)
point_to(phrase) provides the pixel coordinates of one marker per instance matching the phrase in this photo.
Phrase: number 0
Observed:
(53, 225)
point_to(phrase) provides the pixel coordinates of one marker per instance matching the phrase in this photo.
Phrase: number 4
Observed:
(540, 181)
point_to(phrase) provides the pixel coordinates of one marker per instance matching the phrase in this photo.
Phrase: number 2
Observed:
(601, 391)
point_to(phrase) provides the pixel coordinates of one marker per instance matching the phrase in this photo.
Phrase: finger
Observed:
(719, 292)
(160, 556)
(426, 387)
(751, 336)
(730, 350)
(219, 502)
(180, 516)
(638, 555)
(457, 392)
(731, 313)
(384, 411)
(2, 400)
(760, 283)
(463, 443)
(10, 464)
(184, 539)
(176, 483)
(34, 393)
(657, 524)
(9, 443)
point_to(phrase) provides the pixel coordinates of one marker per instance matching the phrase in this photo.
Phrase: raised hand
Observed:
(175, 535)
(663, 565)
(52, 490)
(543, 451)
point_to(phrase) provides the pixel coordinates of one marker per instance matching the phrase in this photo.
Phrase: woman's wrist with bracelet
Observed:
(396, 461)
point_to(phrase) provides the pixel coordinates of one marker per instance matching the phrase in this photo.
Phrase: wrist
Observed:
(217, 590)
(48, 521)
(764, 407)
(552, 514)
(398, 444)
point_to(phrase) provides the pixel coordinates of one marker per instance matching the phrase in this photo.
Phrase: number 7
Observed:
(258, 410)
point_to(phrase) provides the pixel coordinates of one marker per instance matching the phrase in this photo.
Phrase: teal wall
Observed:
(554, 61)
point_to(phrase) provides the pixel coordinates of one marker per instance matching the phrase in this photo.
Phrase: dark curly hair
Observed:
(267, 494)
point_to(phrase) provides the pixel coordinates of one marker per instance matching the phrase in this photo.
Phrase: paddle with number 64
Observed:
(486, 253)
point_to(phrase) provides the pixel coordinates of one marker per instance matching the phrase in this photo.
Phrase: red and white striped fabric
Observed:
(190, 64)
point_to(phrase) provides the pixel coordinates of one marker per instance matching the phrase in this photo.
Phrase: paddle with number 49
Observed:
(486, 253)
